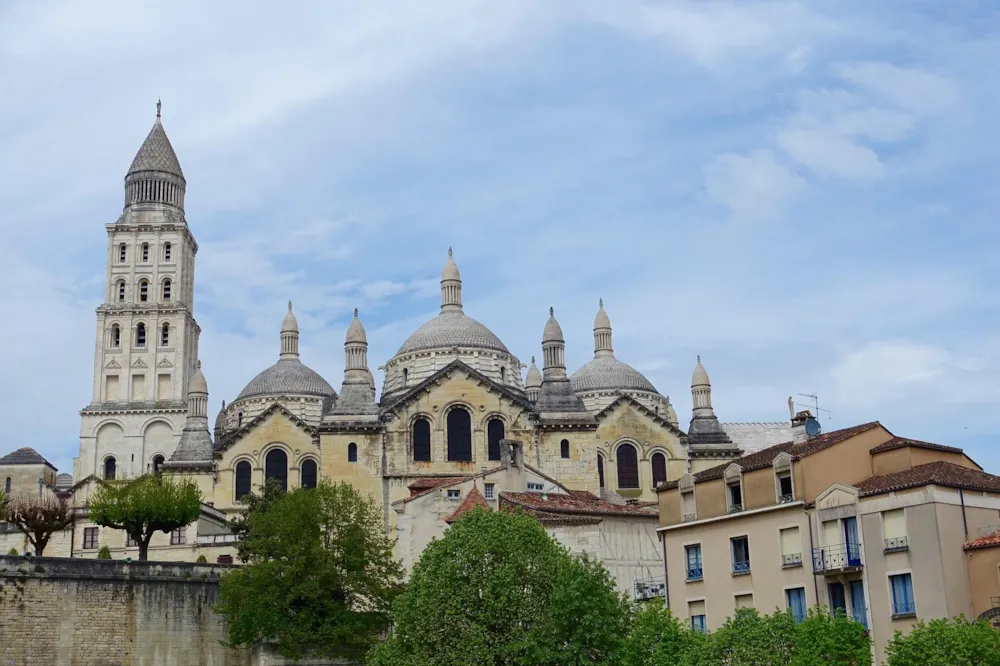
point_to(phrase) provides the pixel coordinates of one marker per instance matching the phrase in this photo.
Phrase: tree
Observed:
(831, 639)
(145, 505)
(658, 638)
(497, 589)
(254, 504)
(944, 643)
(38, 518)
(4, 502)
(319, 577)
(751, 639)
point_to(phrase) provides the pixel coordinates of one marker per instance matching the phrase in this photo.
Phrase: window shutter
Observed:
(790, 541)
(894, 523)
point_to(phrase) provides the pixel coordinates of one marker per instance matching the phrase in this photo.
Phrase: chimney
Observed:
(804, 427)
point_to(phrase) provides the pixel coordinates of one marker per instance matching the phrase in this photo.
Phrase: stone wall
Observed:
(76, 612)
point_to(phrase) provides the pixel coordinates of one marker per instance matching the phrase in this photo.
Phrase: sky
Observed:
(803, 193)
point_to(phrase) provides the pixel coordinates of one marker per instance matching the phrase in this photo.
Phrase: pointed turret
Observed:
(356, 393)
(556, 399)
(533, 382)
(451, 286)
(602, 332)
(195, 445)
(289, 335)
(155, 176)
(221, 423)
(553, 348)
(705, 432)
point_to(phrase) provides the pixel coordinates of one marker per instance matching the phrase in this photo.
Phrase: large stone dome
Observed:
(607, 373)
(288, 377)
(452, 329)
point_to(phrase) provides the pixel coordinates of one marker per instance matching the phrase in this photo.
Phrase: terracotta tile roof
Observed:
(553, 519)
(431, 482)
(570, 504)
(472, 500)
(901, 442)
(765, 457)
(939, 473)
(985, 541)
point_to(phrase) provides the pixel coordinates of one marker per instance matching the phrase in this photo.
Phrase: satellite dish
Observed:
(813, 427)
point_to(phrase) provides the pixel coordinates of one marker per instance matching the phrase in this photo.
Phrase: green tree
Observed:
(497, 589)
(104, 553)
(751, 639)
(254, 504)
(945, 643)
(38, 518)
(319, 577)
(824, 639)
(4, 502)
(145, 505)
(658, 638)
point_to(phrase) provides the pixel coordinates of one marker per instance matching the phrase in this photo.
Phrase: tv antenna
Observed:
(815, 405)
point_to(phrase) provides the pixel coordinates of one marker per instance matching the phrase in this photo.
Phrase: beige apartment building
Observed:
(878, 526)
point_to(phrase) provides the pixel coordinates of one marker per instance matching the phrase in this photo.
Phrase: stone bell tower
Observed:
(147, 337)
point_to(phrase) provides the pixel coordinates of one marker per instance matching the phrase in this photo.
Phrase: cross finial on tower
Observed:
(355, 313)
(159, 105)
(600, 302)
(289, 306)
(532, 359)
(699, 358)
(449, 252)
(552, 311)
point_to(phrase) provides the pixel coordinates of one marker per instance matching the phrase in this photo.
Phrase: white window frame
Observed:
(454, 494)
(489, 491)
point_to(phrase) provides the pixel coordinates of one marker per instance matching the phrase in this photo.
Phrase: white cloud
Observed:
(830, 153)
(911, 89)
(753, 186)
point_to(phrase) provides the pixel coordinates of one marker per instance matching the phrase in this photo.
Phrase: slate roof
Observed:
(156, 153)
(985, 541)
(452, 329)
(289, 376)
(25, 456)
(901, 442)
(472, 500)
(557, 402)
(765, 457)
(576, 504)
(607, 373)
(939, 473)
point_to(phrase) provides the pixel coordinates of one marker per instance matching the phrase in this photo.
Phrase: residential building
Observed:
(873, 525)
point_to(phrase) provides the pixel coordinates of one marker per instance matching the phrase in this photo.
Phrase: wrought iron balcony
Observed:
(896, 544)
(785, 499)
(735, 508)
(791, 560)
(741, 567)
(838, 557)
(694, 573)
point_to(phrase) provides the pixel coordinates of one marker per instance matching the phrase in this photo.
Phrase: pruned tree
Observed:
(144, 506)
(38, 518)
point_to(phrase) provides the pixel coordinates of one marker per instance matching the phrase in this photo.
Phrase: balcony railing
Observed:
(688, 517)
(741, 567)
(735, 508)
(791, 560)
(837, 557)
(785, 499)
(903, 609)
(694, 573)
(896, 544)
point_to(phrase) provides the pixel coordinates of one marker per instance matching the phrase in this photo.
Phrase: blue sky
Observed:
(803, 193)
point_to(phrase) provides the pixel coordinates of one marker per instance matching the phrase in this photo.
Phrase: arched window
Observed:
(121, 253)
(406, 376)
(628, 467)
(276, 467)
(352, 452)
(116, 336)
(166, 289)
(121, 291)
(145, 252)
(143, 291)
(600, 470)
(243, 475)
(239, 420)
(459, 435)
(422, 440)
(659, 465)
(494, 433)
(503, 373)
(157, 461)
(140, 335)
(564, 449)
(110, 467)
(165, 335)
(166, 251)
(309, 473)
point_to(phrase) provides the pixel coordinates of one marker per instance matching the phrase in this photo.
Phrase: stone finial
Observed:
(159, 105)
(355, 313)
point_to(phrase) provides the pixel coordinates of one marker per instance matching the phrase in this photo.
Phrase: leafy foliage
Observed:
(143, 506)
(497, 589)
(104, 553)
(658, 638)
(12, 551)
(319, 576)
(201, 559)
(824, 639)
(38, 518)
(751, 639)
(255, 504)
(944, 643)
(4, 502)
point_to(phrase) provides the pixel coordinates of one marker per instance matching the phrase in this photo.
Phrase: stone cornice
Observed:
(112, 408)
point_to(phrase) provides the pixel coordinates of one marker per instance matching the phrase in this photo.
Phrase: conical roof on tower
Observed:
(601, 320)
(450, 271)
(534, 378)
(356, 330)
(605, 372)
(552, 331)
(700, 376)
(156, 152)
(290, 324)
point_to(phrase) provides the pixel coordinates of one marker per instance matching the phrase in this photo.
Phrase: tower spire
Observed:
(155, 176)
(451, 286)
(289, 336)
(553, 349)
(602, 332)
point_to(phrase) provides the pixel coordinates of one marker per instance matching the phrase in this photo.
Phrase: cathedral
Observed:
(453, 405)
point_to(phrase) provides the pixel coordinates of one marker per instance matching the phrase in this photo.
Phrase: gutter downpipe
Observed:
(965, 522)
(811, 550)
(666, 579)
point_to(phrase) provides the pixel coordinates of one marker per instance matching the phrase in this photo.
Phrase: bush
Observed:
(201, 560)
(104, 553)
(944, 643)
(12, 551)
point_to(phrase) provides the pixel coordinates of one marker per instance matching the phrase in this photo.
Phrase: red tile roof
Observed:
(765, 457)
(472, 500)
(430, 482)
(901, 442)
(939, 473)
(985, 541)
(572, 504)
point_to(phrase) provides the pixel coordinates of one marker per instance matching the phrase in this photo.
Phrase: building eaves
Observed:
(939, 473)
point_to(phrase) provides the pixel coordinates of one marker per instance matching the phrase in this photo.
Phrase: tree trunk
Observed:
(39, 542)
(144, 547)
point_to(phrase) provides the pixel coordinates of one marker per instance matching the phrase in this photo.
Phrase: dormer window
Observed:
(145, 253)
(686, 487)
(783, 478)
(734, 488)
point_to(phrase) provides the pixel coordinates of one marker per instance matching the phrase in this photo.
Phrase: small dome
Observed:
(198, 383)
(355, 330)
(156, 153)
(221, 422)
(601, 321)
(289, 324)
(607, 373)
(534, 378)
(450, 271)
(553, 331)
(289, 376)
(452, 329)
(700, 376)
(64, 480)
